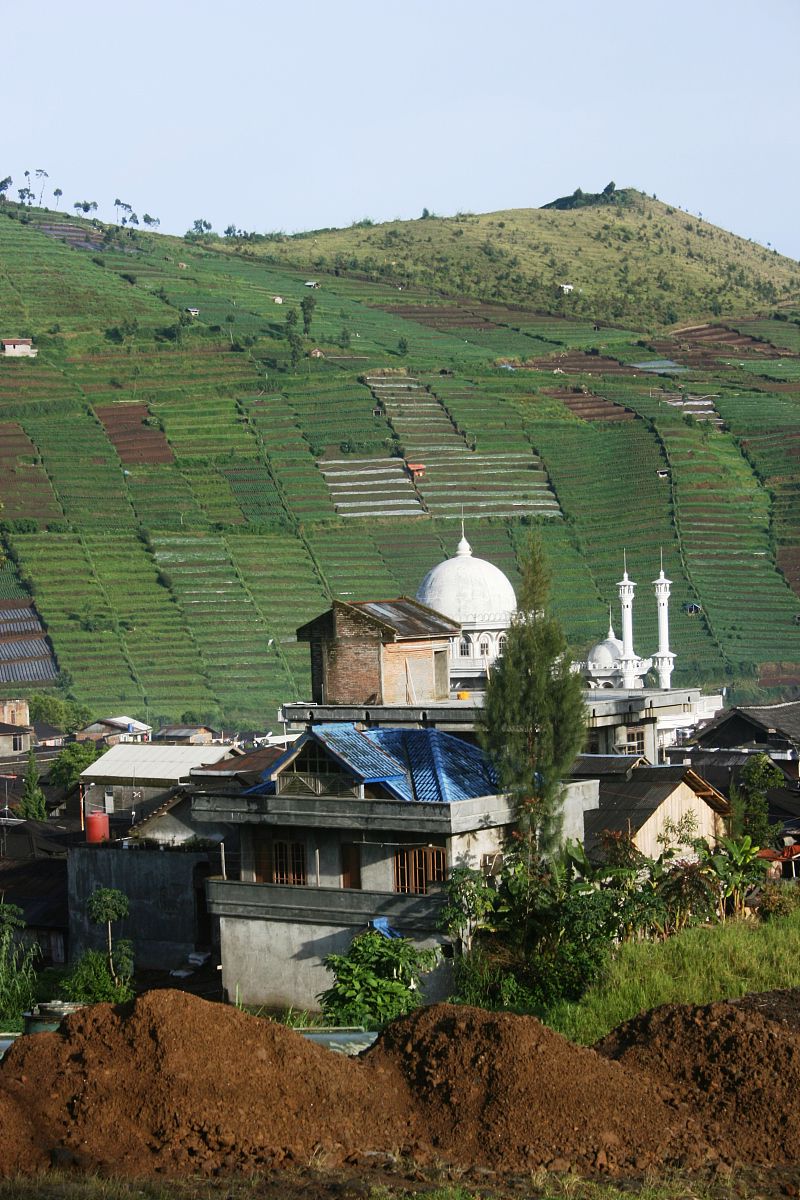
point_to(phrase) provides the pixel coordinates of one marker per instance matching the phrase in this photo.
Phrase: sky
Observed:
(280, 116)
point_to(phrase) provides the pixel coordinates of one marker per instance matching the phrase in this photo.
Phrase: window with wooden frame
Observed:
(634, 741)
(289, 863)
(279, 861)
(417, 867)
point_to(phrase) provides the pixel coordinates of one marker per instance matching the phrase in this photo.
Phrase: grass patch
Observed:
(303, 1184)
(694, 967)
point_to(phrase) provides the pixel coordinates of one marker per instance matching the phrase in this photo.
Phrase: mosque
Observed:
(425, 662)
(479, 597)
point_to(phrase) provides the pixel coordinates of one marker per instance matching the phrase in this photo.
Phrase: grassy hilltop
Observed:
(181, 492)
(633, 258)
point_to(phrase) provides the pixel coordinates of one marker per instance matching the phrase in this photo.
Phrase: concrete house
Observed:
(348, 826)
(137, 779)
(15, 728)
(18, 348)
(380, 652)
(14, 739)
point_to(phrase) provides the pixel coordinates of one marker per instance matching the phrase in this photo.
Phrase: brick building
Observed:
(380, 652)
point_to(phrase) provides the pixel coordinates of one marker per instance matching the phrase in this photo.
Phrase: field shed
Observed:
(382, 652)
(639, 803)
(18, 348)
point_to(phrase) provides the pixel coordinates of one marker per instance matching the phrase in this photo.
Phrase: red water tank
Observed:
(97, 827)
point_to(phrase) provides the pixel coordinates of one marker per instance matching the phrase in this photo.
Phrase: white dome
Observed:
(469, 590)
(605, 655)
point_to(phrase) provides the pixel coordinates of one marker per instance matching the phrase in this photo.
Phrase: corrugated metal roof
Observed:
(625, 806)
(242, 764)
(442, 769)
(409, 618)
(605, 764)
(168, 731)
(422, 765)
(168, 764)
(358, 751)
(784, 718)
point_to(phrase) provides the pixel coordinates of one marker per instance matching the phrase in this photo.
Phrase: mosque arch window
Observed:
(501, 643)
(484, 651)
(464, 648)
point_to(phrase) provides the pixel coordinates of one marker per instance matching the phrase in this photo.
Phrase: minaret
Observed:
(628, 660)
(664, 659)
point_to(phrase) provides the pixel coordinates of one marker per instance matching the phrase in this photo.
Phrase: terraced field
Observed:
(198, 494)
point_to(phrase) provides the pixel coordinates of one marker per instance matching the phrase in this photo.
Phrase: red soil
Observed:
(177, 1085)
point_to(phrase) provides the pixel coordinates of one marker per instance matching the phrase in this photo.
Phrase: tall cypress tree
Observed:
(534, 722)
(32, 806)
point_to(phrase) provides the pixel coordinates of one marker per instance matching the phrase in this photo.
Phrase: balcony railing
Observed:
(322, 906)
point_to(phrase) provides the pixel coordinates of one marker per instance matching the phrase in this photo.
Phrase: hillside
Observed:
(636, 260)
(179, 495)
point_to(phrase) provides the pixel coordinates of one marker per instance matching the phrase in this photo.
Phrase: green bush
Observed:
(91, 982)
(376, 981)
(17, 968)
(778, 899)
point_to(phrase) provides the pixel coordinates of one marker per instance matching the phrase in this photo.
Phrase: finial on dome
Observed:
(463, 548)
(610, 634)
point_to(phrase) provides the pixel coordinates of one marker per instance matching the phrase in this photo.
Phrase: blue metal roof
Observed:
(349, 747)
(441, 769)
(422, 765)
(356, 750)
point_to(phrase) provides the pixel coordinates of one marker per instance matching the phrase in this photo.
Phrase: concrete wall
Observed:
(579, 796)
(162, 888)
(178, 826)
(15, 712)
(280, 963)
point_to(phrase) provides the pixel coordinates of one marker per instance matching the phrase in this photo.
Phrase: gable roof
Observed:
(416, 765)
(9, 730)
(399, 618)
(441, 768)
(782, 718)
(591, 766)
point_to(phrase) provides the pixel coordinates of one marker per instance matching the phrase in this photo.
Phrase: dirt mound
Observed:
(737, 1067)
(506, 1092)
(173, 1083)
(178, 1085)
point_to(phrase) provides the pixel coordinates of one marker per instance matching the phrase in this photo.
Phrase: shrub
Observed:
(17, 967)
(91, 982)
(778, 899)
(376, 981)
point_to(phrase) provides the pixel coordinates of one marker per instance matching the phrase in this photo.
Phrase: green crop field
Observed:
(180, 491)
